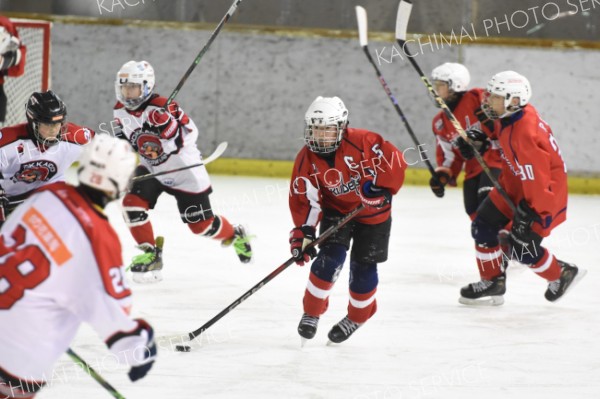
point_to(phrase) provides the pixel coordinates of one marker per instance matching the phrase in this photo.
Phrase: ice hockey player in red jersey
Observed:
(451, 81)
(61, 266)
(12, 59)
(38, 152)
(165, 141)
(338, 169)
(534, 176)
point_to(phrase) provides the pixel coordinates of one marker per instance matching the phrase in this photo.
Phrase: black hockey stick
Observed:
(212, 37)
(404, 9)
(361, 17)
(92, 373)
(194, 334)
(216, 154)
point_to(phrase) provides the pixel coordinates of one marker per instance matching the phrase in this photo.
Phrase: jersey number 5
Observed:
(24, 270)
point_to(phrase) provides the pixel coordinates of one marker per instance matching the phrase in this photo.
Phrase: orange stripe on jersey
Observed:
(47, 236)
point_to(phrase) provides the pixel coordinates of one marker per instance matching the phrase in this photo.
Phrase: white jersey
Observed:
(61, 265)
(26, 165)
(158, 154)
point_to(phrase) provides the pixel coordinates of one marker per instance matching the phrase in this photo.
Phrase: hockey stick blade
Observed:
(361, 19)
(404, 10)
(212, 157)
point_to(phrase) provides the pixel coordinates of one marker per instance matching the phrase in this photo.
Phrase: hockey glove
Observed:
(438, 182)
(300, 238)
(3, 205)
(163, 122)
(373, 196)
(136, 348)
(478, 138)
(484, 119)
(8, 42)
(522, 222)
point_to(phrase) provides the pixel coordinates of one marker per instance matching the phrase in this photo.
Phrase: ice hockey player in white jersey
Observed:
(165, 140)
(38, 152)
(61, 266)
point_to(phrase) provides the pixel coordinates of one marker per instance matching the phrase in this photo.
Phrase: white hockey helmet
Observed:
(509, 85)
(325, 112)
(456, 75)
(136, 72)
(106, 164)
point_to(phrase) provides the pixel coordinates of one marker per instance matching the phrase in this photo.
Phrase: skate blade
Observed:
(494, 300)
(150, 277)
(580, 274)
(303, 342)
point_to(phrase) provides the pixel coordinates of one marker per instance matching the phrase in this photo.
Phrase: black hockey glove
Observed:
(484, 119)
(3, 205)
(522, 222)
(478, 138)
(300, 238)
(438, 183)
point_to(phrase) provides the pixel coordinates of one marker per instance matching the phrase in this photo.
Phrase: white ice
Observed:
(420, 344)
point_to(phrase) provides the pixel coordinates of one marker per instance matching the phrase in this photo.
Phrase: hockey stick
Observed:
(194, 334)
(216, 154)
(361, 17)
(92, 373)
(404, 9)
(212, 37)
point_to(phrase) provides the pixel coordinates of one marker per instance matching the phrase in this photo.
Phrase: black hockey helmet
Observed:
(45, 107)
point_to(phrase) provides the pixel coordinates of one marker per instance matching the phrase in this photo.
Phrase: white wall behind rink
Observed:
(251, 89)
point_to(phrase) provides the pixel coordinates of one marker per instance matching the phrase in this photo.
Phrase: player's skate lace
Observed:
(553, 286)
(241, 243)
(348, 326)
(308, 320)
(150, 260)
(481, 285)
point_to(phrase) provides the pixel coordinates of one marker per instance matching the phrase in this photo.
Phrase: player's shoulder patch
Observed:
(437, 123)
(13, 133)
(76, 134)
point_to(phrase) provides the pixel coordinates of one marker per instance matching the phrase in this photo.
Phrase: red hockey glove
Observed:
(164, 123)
(373, 196)
(438, 183)
(300, 237)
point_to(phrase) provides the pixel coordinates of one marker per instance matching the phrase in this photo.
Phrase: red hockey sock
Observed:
(143, 234)
(489, 261)
(217, 228)
(316, 295)
(547, 267)
(362, 306)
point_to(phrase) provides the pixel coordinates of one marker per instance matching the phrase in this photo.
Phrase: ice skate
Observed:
(307, 327)
(241, 243)
(569, 276)
(484, 292)
(147, 267)
(342, 330)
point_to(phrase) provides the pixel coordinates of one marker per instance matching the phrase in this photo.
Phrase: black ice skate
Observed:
(569, 276)
(343, 330)
(146, 267)
(484, 292)
(307, 327)
(241, 243)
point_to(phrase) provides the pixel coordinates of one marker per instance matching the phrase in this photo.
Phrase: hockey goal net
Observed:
(35, 35)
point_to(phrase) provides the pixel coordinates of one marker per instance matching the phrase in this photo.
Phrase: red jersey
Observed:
(334, 182)
(19, 69)
(533, 169)
(447, 155)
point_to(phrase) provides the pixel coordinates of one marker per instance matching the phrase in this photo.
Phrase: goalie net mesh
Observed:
(35, 35)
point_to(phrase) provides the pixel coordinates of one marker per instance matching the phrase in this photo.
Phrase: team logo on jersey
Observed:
(148, 146)
(343, 188)
(31, 172)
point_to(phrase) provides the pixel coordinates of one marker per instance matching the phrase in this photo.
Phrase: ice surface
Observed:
(420, 344)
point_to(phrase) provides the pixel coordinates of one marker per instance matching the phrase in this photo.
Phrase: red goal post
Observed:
(35, 35)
